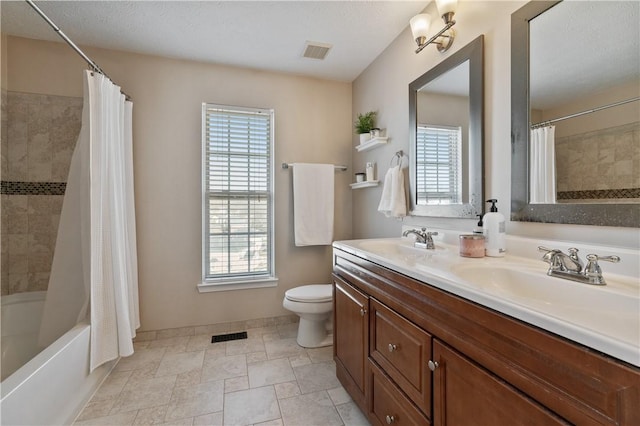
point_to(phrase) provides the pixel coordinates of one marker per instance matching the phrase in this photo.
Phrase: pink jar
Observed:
(472, 245)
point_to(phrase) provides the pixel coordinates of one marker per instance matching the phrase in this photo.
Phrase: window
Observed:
(237, 197)
(438, 165)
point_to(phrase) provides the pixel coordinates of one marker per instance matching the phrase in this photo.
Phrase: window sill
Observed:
(227, 285)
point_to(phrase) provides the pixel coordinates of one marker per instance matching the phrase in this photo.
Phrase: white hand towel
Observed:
(313, 204)
(393, 201)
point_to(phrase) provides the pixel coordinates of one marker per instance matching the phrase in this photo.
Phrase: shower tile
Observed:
(176, 363)
(18, 264)
(18, 244)
(40, 262)
(18, 283)
(270, 372)
(39, 158)
(251, 406)
(196, 400)
(316, 377)
(224, 368)
(310, 409)
(38, 281)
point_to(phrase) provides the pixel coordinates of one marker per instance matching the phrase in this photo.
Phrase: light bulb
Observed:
(420, 26)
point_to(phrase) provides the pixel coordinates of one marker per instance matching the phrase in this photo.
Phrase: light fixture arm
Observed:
(449, 23)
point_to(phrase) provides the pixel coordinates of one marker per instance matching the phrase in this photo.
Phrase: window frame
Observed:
(237, 281)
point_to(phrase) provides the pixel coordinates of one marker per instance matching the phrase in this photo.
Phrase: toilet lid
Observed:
(310, 293)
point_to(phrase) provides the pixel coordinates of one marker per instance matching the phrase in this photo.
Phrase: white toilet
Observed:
(313, 304)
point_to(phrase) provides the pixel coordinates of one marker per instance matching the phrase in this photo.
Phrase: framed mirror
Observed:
(575, 123)
(446, 119)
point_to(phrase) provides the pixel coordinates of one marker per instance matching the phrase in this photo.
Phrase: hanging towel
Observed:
(393, 201)
(542, 174)
(313, 204)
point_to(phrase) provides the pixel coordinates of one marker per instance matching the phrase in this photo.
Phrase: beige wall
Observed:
(383, 86)
(313, 124)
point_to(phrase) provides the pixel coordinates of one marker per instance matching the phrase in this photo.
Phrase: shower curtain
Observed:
(94, 271)
(542, 171)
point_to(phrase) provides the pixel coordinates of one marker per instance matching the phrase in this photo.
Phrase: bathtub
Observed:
(54, 385)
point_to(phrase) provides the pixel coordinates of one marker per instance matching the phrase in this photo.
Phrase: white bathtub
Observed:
(52, 387)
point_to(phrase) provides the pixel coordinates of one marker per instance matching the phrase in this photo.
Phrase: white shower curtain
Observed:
(542, 166)
(95, 253)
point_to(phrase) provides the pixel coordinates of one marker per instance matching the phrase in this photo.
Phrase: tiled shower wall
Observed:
(599, 164)
(39, 133)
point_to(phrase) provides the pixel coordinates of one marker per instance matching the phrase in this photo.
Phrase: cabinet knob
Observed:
(433, 365)
(363, 312)
(390, 419)
(392, 347)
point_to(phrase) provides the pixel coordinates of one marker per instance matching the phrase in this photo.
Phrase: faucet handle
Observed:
(593, 270)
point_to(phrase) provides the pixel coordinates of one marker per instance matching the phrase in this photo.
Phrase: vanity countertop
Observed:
(604, 318)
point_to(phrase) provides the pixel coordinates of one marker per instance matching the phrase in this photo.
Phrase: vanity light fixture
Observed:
(444, 38)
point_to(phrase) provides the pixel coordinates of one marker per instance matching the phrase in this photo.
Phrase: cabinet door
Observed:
(466, 394)
(351, 330)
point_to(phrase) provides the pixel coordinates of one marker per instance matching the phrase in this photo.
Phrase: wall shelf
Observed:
(366, 184)
(372, 143)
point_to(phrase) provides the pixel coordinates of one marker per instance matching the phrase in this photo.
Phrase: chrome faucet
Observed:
(570, 267)
(423, 238)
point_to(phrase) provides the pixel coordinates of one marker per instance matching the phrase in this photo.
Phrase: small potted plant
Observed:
(364, 124)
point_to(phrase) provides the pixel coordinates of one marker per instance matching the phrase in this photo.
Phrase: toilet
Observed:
(313, 304)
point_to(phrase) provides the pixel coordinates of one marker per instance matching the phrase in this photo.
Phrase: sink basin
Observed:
(397, 246)
(614, 307)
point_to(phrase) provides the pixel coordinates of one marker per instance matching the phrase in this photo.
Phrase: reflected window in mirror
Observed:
(576, 113)
(446, 121)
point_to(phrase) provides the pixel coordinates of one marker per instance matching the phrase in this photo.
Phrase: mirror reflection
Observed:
(446, 127)
(575, 122)
(584, 103)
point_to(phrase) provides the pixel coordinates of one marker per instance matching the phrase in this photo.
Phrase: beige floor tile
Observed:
(180, 422)
(301, 359)
(121, 419)
(169, 341)
(256, 357)
(182, 362)
(253, 333)
(316, 377)
(339, 395)
(95, 409)
(270, 372)
(236, 383)
(276, 422)
(245, 346)
(151, 416)
(351, 415)
(214, 419)
(321, 354)
(175, 332)
(287, 390)
(310, 410)
(192, 377)
(196, 400)
(224, 368)
(251, 406)
(289, 330)
(216, 350)
(140, 359)
(145, 394)
(283, 348)
(199, 342)
(112, 386)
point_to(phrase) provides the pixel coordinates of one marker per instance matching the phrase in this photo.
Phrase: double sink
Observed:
(605, 318)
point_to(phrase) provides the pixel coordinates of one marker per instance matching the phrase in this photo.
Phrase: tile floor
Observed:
(266, 379)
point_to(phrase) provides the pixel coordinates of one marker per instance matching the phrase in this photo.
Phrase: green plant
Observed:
(365, 122)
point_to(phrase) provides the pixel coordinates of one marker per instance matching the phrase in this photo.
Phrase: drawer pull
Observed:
(363, 312)
(433, 365)
(390, 419)
(392, 347)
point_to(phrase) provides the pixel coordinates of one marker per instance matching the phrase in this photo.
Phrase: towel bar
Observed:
(290, 165)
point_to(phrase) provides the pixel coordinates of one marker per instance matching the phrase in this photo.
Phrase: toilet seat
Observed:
(315, 293)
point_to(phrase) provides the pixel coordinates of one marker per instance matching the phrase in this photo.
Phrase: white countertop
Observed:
(604, 318)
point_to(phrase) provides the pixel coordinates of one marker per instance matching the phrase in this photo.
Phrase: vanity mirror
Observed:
(575, 124)
(446, 136)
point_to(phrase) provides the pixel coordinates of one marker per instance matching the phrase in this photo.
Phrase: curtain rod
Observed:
(291, 165)
(577, 114)
(89, 61)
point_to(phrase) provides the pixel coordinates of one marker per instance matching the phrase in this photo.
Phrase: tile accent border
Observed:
(599, 194)
(225, 327)
(32, 188)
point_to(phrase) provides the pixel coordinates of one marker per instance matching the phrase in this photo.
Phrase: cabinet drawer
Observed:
(402, 350)
(388, 405)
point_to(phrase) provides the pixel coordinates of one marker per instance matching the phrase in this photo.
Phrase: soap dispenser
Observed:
(494, 231)
(478, 229)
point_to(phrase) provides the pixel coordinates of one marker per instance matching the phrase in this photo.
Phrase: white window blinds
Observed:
(438, 165)
(238, 192)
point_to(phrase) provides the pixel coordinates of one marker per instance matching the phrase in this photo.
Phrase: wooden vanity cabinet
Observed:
(420, 355)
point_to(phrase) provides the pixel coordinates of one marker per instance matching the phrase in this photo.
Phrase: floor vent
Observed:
(227, 337)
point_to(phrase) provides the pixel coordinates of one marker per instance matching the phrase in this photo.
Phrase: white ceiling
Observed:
(268, 35)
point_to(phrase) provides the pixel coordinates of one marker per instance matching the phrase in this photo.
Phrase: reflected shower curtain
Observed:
(542, 166)
(96, 246)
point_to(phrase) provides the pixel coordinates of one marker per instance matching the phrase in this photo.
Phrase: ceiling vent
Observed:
(315, 50)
